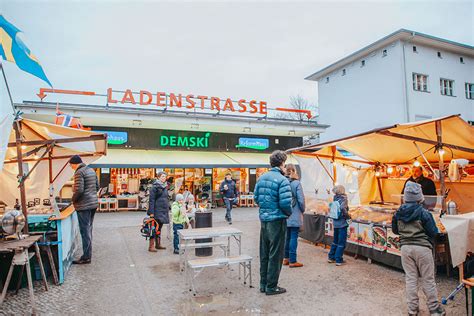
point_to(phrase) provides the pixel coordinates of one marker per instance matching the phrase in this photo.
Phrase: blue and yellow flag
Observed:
(13, 49)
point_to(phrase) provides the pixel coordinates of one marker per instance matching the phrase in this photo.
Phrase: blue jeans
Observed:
(338, 245)
(176, 227)
(86, 220)
(228, 205)
(291, 243)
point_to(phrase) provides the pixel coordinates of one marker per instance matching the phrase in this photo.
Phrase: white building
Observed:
(405, 76)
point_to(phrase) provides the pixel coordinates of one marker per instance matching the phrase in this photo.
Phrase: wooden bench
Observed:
(196, 266)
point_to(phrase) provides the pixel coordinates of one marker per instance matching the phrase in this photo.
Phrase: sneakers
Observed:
(286, 261)
(412, 313)
(276, 291)
(338, 264)
(176, 252)
(331, 261)
(296, 265)
(438, 312)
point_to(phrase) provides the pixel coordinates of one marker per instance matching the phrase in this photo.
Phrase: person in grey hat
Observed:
(417, 228)
(86, 202)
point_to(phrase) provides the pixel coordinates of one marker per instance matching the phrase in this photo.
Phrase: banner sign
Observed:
(115, 138)
(253, 143)
(191, 141)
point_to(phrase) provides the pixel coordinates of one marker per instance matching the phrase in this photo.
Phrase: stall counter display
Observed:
(379, 241)
(364, 235)
(393, 242)
(352, 233)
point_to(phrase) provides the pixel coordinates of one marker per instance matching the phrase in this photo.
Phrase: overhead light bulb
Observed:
(23, 146)
(417, 163)
(441, 152)
(377, 174)
(390, 170)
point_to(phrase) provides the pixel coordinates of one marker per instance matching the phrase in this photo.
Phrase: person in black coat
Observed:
(159, 206)
(427, 185)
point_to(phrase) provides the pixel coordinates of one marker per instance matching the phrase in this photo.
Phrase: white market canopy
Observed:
(398, 144)
(45, 151)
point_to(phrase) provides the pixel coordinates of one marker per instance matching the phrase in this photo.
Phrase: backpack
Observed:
(334, 210)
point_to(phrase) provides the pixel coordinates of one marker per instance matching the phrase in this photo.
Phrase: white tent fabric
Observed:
(37, 185)
(6, 121)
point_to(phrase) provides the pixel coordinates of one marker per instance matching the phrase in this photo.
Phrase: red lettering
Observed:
(160, 96)
(144, 93)
(263, 107)
(202, 98)
(228, 104)
(128, 97)
(215, 103)
(243, 106)
(191, 102)
(176, 100)
(253, 107)
(109, 96)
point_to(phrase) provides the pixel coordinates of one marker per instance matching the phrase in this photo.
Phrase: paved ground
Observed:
(125, 279)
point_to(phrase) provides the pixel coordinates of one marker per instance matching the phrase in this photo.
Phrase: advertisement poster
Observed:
(352, 233)
(379, 238)
(364, 235)
(329, 227)
(393, 242)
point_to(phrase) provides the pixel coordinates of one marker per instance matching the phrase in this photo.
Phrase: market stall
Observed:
(34, 170)
(374, 168)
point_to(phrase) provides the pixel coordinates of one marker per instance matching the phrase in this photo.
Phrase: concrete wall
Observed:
(434, 104)
(366, 97)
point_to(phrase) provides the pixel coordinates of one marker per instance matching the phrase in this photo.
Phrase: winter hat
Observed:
(339, 189)
(413, 192)
(179, 197)
(75, 160)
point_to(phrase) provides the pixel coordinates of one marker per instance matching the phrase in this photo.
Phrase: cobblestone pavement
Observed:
(125, 279)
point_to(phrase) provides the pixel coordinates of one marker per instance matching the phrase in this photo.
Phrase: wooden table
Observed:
(21, 258)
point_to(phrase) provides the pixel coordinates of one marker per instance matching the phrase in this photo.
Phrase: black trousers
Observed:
(272, 250)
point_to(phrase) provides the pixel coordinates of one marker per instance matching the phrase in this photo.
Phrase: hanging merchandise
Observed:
(453, 171)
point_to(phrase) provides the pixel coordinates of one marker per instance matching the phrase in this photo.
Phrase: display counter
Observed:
(59, 232)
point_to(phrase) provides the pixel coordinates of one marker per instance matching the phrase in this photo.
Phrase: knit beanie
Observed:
(75, 160)
(413, 192)
(179, 197)
(339, 189)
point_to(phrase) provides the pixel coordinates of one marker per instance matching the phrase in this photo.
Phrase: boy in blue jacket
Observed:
(273, 196)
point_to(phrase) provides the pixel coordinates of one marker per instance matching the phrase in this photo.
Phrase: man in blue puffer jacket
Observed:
(273, 196)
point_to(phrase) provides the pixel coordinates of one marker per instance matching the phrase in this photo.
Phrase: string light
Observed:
(390, 170)
(441, 152)
(417, 163)
(377, 174)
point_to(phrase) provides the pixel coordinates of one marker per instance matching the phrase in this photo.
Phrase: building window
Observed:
(327, 79)
(343, 72)
(414, 49)
(439, 55)
(446, 86)
(461, 60)
(362, 63)
(384, 53)
(420, 82)
(469, 90)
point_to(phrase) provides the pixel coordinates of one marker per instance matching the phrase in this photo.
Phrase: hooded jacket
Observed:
(415, 225)
(159, 203)
(273, 196)
(85, 189)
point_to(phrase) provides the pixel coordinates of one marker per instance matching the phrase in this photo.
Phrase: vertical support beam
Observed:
(19, 153)
(334, 168)
(379, 185)
(439, 135)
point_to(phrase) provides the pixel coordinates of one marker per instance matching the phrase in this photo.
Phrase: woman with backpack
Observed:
(340, 214)
(295, 220)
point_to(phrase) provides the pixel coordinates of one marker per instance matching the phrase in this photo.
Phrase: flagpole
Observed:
(19, 151)
(8, 87)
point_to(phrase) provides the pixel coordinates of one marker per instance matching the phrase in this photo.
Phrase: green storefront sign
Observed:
(188, 141)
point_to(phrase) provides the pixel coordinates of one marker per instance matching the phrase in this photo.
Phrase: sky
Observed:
(253, 50)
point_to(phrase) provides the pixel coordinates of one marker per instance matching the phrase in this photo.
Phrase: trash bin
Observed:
(203, 220)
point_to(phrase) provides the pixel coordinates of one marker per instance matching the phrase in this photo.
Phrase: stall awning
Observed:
(129, 158)
(402, 143)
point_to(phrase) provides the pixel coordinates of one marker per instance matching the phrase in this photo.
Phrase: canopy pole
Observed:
(439, 134)
(8, 87)
(16, 126)
(325, 169)
(334, 167)
(424, 158)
